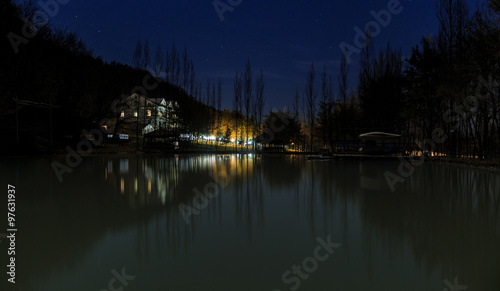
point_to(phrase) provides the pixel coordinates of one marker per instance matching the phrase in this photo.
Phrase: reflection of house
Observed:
(151, 114)
(380, 143)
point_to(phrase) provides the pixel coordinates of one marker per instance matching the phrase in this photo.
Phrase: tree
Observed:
(259, 99)
(175, 65)
(192, 80)
(310, 93)
(137, 59)
(383, 92)
(452, 17)
(342, 79)
(219, 109)
(146, 58)
(185, 69)
(237, 101)
(247, 99)
(168, 67)
(287, 123)
(341, 113)
(423, 106)
(325, 114)
(365, 65)
(158, 61)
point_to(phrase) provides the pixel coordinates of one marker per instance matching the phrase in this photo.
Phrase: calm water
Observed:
(337, 221)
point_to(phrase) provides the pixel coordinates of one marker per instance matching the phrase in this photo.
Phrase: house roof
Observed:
(378, 135)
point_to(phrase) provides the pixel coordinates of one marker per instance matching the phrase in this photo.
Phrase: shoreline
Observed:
(492, 165)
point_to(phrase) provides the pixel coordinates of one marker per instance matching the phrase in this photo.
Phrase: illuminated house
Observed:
(146, 115)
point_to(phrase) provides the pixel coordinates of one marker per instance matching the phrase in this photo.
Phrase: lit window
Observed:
(135, 113)
(159, 113)
(149, 112)
(122, 114)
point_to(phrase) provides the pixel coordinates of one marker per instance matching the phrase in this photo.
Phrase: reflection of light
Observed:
(149, 186)
(110, 167)
(106, 173)
(135, 185)
(122, 185)
(123, 166)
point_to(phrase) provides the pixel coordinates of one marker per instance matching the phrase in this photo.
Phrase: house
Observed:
(147, 115)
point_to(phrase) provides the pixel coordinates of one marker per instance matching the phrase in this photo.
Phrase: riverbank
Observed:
(130, 149)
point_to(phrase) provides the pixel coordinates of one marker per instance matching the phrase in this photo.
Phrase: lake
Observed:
(250, 222)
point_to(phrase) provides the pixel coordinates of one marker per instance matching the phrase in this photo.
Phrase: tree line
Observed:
(449, 82)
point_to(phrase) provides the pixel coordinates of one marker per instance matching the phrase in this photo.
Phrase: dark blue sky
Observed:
(281, 37)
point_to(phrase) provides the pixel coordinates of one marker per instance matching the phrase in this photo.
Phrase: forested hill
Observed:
(50, 65)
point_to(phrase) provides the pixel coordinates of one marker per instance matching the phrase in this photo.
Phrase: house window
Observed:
(159, 113)
(135, 113)
(122, 114)
(149, 112)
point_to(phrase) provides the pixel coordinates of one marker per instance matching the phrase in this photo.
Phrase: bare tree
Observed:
(219, 112)
(146, 59)
(325, 113)
(158, 61)
(137, 57)
(296, 112)
(259, 99)
(247, 99)
(176, 66)
(365, 65)
(452, 17)
(192, 81)
(185, 69)
(342, 79)
(208, 96)
(168, 67)
(296, 102)
(199, 92)
(311, 101)
(237, 102)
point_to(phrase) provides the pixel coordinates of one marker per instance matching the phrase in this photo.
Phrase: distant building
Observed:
(147, 115)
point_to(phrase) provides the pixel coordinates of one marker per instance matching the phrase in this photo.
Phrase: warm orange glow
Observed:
(122, 114)
(149, 186)
(149, 112)
(122, 185)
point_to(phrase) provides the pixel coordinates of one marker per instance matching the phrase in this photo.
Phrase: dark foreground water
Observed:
(272, 223)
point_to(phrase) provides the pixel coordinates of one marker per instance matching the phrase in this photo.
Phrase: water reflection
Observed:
(443, 222)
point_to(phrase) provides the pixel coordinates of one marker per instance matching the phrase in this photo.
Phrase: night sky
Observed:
(280, 37)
